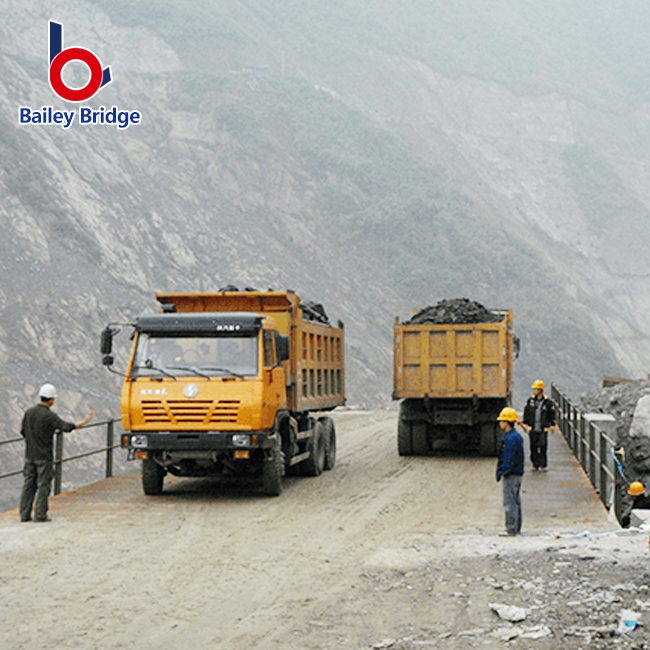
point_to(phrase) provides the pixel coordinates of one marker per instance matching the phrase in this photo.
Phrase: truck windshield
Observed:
(176, 356)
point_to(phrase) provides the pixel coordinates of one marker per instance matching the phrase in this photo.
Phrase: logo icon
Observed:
(59, 58)
(190, 391)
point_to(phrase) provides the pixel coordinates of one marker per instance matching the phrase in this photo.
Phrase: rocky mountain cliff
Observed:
(334, 151)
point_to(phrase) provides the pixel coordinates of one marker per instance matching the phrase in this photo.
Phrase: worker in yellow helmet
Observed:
(510, 469)
(539, 417)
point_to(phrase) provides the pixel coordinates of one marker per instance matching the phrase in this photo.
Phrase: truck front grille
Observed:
(194, 412)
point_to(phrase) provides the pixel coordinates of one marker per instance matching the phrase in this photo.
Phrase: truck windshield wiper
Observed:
(224, 370)
(187, 368)
(149, 366)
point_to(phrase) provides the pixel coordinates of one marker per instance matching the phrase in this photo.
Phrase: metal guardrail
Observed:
(59, 460)
(591, 446)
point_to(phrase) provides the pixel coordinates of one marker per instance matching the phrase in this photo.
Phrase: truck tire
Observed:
(488, 440)
(153, 476)
(419, 437)
(404, 438)
(330, 443)
(272, 472)
(315, 463)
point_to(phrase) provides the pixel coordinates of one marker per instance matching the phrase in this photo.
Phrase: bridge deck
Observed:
(212, 565)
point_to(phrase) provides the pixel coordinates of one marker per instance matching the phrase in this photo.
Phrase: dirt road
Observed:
(382, 551)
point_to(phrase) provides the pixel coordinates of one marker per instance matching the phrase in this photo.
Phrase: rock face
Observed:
(637, 445)
(299, 181)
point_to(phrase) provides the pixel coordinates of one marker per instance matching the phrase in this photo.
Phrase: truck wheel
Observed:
(316, 446)
(272, 472)
(488, 440)
(419, 438)
(404, 438)
(153, 476)
(330, 443)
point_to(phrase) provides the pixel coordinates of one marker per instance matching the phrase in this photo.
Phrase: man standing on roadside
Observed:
(38, 427)
(511, 469)
(539, 417)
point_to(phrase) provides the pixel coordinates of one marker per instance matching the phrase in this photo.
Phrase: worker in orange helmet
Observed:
(636, 499)
(539, 417)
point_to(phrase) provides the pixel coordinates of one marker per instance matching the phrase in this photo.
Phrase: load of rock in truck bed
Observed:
(454, 311)
(311, 310)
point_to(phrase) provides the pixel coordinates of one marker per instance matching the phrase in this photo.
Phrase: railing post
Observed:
(569, 425)
(603, 454)
(582, 440)
(58, 461)
(592, 455)
(109, 448)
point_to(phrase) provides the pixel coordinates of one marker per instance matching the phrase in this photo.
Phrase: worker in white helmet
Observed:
(38, 427)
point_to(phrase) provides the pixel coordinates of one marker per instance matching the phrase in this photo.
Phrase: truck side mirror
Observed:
(106, 342)
(281, 348)
(516, 341)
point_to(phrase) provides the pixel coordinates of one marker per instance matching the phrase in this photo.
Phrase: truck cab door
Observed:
(275, 394)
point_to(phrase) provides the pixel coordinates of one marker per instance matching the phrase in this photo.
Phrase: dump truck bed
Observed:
(315, 371)
(453, 361)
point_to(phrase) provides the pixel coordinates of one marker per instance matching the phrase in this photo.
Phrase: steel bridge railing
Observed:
(59, 459)
(591, 446)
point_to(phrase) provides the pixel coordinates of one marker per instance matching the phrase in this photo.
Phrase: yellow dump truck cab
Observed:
(204, 370)
(215, 391)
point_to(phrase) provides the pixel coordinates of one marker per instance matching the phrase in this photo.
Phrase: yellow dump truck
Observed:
(454, 379)
(227, 384)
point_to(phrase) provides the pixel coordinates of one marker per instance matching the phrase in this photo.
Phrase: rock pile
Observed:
(629, 403)
(454, 311)
(619, 400)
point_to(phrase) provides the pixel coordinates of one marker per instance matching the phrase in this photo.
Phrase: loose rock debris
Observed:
(509, 612)
(546, 600)
(454, 311)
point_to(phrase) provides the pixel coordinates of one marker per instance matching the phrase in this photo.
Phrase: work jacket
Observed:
(511, 455)
(38, 427)
(547, 415)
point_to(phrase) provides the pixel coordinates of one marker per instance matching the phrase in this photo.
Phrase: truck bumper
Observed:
(197, 444)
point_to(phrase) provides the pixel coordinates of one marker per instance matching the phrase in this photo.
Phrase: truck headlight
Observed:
(139, 441)
(241, 440)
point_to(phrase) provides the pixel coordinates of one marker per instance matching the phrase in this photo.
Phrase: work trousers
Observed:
(512, 503)
(38, 483)
(538, 447)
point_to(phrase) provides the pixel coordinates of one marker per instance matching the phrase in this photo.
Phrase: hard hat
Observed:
(508, 414)
(47, 391)
(636, 488)
(538, 383)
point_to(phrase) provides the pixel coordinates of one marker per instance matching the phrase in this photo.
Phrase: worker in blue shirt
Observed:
(510, 469)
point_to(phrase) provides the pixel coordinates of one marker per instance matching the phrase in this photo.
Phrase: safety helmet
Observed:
(508, 414)
(47, 391)
(538, 383)
(636, 488)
